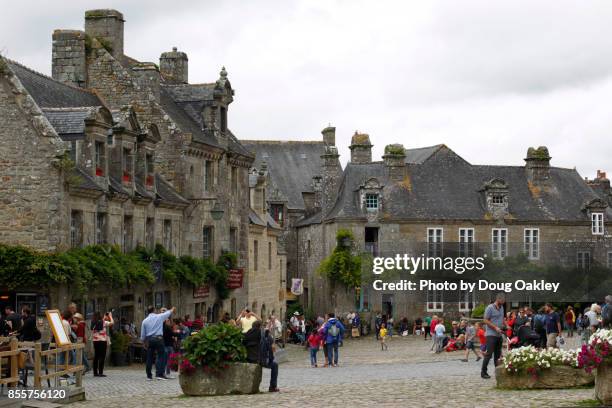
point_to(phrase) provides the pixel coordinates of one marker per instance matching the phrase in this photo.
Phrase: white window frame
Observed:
(466, 242)
(375, 196)
(437, 303)
(531, 243)
(499, 248)
(434, 247)
(467, 301)
(597, 223)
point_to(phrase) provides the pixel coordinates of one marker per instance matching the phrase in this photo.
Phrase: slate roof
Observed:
(444, 186)
(420, 154)
(255, 219)
(49, 93)
(86, 181)
(166, 192)
(291, 166)
(117, 187)
(68, 122)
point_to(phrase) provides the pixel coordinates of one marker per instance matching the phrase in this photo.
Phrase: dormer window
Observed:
(371, 201)
(127, 165)
(100, 158)
(597, 223)
(497, 199)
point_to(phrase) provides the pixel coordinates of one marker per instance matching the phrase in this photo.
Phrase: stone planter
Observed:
(550, 378)
(238, 378)
(603, 383)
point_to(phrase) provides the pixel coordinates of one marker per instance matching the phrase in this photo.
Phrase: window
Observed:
(150, 232)
(208, 175)
(434, 301)
(583, 260)
(128, 232)
(371, 201)
(255, 254)
(73, 151)
(609, 260)
(434, 241)
(207, 242)
(223, 124)
(167, 235)
(234, 180)
(497, 199)
(269, 255)
(499, 243)
(466, 242)
(467, 301)
(76, 229)
(277, 211)
(597, 223)
(100, 158)
(127, 165)
(149, 170)
(100, 228)
(233, 240)
(532, 243)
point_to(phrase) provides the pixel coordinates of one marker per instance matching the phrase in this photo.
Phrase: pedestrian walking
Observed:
(494, 320)
(334, 331)
(383, 336)
(314, 343)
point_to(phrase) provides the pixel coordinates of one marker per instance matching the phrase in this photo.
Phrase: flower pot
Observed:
(238, 378)
(550, 378)
(603, 383)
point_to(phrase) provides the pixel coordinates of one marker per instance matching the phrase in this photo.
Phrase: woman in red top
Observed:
(510, 324)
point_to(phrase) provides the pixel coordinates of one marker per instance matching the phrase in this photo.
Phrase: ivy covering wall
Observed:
(106, 266)
(341, 265)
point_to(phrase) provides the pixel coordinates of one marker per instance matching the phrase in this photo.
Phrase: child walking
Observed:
(470, 343)
(314, 341)
(382, 335)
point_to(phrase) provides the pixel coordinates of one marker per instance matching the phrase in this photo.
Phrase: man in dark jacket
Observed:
(261, 351)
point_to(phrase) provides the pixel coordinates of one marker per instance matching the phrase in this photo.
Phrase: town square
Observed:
(283, 203)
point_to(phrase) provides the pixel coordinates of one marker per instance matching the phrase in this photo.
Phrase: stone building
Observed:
(431, 201)
(114, 150)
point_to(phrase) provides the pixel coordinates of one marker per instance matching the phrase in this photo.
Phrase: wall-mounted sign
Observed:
(201, 291)
(234, 280)
(297, 286)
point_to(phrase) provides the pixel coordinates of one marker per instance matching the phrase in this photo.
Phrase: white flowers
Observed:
(531, 359)
(601, 335)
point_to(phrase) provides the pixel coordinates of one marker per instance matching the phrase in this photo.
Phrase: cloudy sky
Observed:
(486, 78)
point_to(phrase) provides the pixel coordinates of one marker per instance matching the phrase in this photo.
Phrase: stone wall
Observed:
(32, 210)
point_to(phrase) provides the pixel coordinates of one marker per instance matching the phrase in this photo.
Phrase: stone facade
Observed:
(127, 154)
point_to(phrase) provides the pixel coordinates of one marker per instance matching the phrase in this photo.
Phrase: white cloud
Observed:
(487, 78)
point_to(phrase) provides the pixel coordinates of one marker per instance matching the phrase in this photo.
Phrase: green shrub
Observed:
(342, 266)
(478, 312)
(214, 347)
(119, 342)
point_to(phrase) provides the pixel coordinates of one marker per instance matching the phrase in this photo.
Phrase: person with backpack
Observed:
(539, 326)
(333, 331)
(259, 345)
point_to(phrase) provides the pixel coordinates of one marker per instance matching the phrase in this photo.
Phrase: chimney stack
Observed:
(537, 165)
(174, 66)
(148, 76)
(329, 136)
(106, 25)
(332, 171)
(395, 161)
(361, 148)
(68, 64)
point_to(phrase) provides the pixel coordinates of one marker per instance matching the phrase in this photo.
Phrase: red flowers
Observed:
(186, 367)
(591, 355)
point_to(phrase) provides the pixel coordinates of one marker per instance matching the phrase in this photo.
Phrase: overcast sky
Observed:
(488, 79)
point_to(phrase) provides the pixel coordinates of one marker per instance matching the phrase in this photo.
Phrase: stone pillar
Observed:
(106, 25)
(361, 148)
(68, 57)
(174, 66)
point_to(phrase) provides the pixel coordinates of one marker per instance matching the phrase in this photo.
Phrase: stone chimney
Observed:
(395, 161)
(602, 183)
(174, 66)
(106, 25)
(332, 171)
(68, 63)
(537, 165)
(361, 148)
(329, 136)
(312, 199)
(148, 77)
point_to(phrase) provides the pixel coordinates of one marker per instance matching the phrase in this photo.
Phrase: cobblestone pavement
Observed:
(405, 375)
